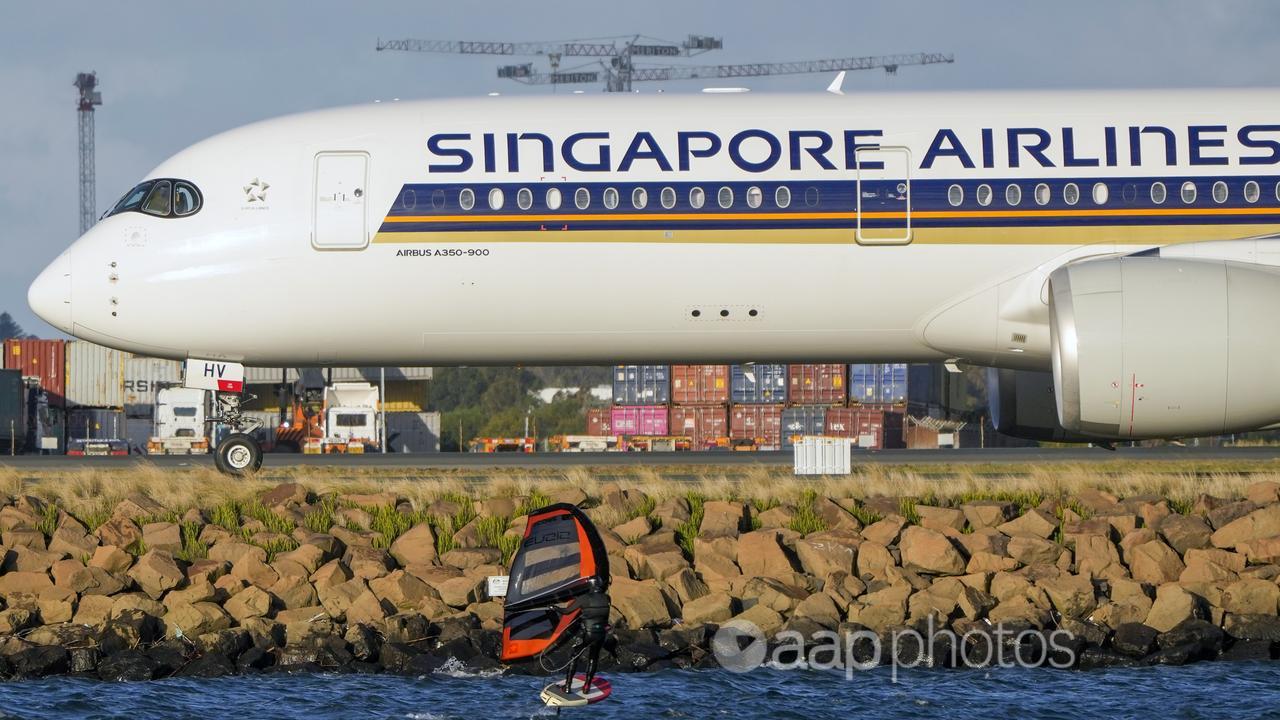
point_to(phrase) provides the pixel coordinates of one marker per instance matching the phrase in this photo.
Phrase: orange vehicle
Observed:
(497, 445)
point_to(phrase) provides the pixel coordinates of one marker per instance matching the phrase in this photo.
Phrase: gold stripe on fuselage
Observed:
(1073, 235)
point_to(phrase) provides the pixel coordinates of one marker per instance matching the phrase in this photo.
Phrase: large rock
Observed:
(1173, 605)
(1184, 532)
(1265, 550)
(819, 608)
(284, 494)
(233, 552)
(26, 559)
(761, 554)
(768, 621)
(119, 531)
(941, 518)
(370, 562)
(1251, 596)
(711, 608)
(823, 554)
(13, 583)
(634, 529)
(1097, 557)
(194, 620)
(1259, 524)
(111, 558)
(292, 592)
(249, 603)
(1034, 550)
(1072, 595)
(336, 599)
(255, 571)
(639, 602)
(985, 562)
(162, 536)
(1134, 639)
(73, 541)
(988, 513)
(929, 551)
(401, 590)
(721, 518)
(1251, 627)
(1032, 523)
(156, 572)
(1263, 492)
(886, 530)
(686, 585)
(1155, 563)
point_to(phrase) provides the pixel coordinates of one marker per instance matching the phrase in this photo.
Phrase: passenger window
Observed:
(582, 198)
(1252, 192)
(984, 194)
(1188, 192)
(611, 198)
(725, 198)
(1158, 193)
(782, 196)
(409, 199)
(524, 198)
(1071, 194)
(1101, 193)
(437, 199)
(697, 198)
(668, 198)
(160, 199)
(186, 200)
(811, 197)
(554, 199)
(639, 198)
(1012, 194)
(496, 199)
(955, 195)
(1042, 194)
(1129, 192)
(1219, 192)
(467, 199)
(755, 198)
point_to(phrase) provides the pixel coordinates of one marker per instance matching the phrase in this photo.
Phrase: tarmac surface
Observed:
(969, 456)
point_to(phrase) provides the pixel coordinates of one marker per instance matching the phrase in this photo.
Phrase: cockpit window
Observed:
(161, 198)
(185, 199)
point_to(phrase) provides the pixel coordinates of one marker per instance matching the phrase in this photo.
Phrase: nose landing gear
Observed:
(238, 454)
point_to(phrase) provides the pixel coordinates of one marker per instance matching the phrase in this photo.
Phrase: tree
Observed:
(9, 328)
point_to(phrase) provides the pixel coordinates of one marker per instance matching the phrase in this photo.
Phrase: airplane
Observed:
(1120, 245)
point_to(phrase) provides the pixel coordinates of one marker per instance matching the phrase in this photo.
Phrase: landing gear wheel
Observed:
(239, 455)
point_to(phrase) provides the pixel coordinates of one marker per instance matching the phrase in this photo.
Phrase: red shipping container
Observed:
(599, 421)
(816, 384)
(699, 384)
(45, 359)
(703, 423)
(639, 420)
(872, 428)
(762, 423)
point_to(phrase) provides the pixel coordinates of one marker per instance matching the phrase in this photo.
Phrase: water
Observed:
(1205, 690)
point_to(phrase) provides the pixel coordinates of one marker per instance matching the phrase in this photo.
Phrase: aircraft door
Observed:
(884, 196)
(340, 217)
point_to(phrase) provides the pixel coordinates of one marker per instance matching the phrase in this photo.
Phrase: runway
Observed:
(971, 456)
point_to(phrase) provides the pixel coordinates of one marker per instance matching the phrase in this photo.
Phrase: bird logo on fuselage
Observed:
(256, 191)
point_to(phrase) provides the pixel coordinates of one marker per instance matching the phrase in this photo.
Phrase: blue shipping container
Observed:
(641, 384)
(878, 383)
(756, 384)
(802, 420)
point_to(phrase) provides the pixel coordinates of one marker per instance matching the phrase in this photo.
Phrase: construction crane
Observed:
(90, 98)
(619, 51)
(889, 63)
(616, 66)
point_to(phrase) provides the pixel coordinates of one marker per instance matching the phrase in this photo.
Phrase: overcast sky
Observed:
(173, 73)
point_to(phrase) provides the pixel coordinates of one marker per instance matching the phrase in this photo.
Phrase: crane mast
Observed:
(87, 84)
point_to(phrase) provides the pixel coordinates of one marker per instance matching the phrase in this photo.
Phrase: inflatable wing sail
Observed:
(560, 559)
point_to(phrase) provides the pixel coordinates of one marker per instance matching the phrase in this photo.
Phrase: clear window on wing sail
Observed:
(165, 198)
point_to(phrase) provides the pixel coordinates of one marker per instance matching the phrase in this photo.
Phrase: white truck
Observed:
(180, 428)
(350, 419)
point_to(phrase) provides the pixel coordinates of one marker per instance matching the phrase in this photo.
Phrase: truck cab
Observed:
(180, 423)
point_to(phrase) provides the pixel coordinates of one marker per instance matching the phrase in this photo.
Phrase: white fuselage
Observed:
(344, 237)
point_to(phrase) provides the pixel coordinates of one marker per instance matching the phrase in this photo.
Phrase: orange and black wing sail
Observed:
(560, 558)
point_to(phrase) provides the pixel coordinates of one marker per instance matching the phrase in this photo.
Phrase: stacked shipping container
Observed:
(816, 384)
(704, 424)
(758, 384)
(43, 359)
(878, 384)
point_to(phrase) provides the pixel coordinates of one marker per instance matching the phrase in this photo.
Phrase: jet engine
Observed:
(1022, 405)
(1151, 347)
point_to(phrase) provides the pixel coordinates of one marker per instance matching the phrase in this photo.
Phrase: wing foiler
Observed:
(558, 592)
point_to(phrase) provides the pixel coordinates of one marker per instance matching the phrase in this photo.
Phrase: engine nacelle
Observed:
(1022, 405)
(1151, 347)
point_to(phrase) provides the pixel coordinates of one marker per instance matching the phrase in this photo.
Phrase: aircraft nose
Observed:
(50, 295)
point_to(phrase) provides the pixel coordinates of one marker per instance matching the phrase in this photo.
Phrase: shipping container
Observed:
(699, 384)
(599, 422)
(759, 423)
(273, 375)
(641, 385)
(13, 412)
(803, 420)
(409, 432)
(816, 384)
(95, 376)
(85, 423)
(878, 383)
(49, 436)
(758, 384)
(703, 424)
(870, 428)
(639, 420)
(44, 359)
(138, 432)
(143, 378)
